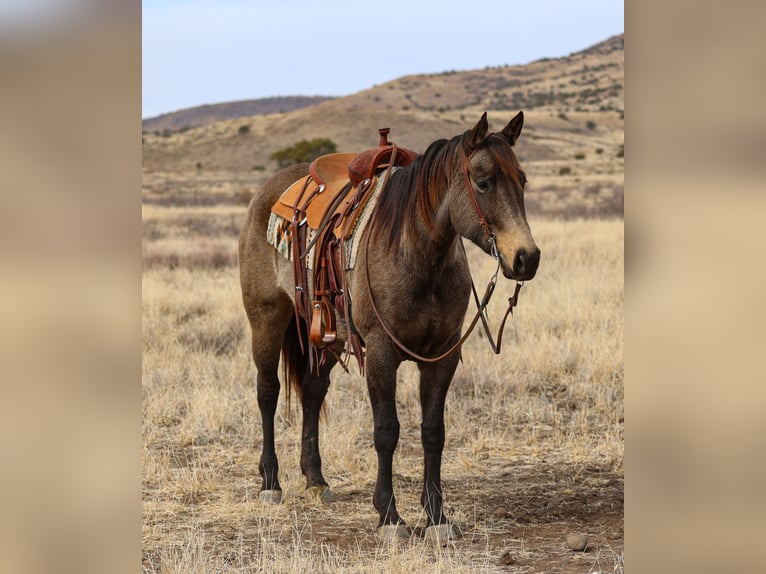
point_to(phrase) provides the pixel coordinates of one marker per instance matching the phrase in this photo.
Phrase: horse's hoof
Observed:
(319, 493)
(393, 533)
(441, 534)
(270, 496)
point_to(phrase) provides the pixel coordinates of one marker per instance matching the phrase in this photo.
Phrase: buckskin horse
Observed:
(406, 298)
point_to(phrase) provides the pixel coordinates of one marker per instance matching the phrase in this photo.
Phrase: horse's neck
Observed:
(437, 248)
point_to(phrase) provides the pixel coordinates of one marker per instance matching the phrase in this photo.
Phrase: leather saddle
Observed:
(328, 201)
(329, 176)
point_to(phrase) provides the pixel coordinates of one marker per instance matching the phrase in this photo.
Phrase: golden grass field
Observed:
(534, 448)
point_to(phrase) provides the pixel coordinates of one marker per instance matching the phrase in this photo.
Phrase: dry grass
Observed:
(534, 445)
(537, 430)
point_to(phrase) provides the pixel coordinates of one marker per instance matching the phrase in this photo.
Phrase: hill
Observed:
(207, 114)
(572, 144)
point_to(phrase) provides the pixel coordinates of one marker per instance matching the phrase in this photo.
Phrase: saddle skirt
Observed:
(327, 175)
(279, 233)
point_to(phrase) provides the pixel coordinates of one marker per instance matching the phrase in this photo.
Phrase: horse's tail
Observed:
(294, 361)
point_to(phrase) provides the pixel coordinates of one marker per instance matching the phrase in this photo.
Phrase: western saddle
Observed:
(325, 206)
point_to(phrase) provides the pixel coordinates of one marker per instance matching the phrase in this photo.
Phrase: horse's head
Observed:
(487, 199)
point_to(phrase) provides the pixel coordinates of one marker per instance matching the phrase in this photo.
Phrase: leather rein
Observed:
(481, 305)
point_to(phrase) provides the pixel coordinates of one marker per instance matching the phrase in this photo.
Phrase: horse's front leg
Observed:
(382, 363)
(435, 379)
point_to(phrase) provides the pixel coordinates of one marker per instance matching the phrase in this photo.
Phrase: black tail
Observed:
(295, 362)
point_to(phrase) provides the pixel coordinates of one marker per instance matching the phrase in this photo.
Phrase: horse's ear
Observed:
(513, 129)
(478, 133)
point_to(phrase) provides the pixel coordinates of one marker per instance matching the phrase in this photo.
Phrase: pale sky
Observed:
(211, 51)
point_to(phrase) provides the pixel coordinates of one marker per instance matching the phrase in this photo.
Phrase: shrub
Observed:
(566, 170)
(621, 151)
(304, 151)
(245, 129)
(591, 125)
(579, 155)
(599, 150)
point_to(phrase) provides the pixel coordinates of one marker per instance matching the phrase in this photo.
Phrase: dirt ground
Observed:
(514, 515)
(521, 516)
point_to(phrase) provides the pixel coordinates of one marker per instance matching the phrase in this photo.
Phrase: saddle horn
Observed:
(366, 163)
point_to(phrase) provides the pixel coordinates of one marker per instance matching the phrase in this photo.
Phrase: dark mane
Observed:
(416, 190)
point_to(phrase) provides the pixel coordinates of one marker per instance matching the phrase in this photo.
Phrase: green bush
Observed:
(579, 155)
(304, 151)
(566, 170)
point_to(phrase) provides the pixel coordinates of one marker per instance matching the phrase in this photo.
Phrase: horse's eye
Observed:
(482, 185)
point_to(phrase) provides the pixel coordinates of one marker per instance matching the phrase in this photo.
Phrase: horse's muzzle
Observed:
(525, 264)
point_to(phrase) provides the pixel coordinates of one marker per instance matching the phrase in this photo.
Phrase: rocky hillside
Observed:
(573, 134)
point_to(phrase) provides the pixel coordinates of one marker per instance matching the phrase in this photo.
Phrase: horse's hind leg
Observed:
(435, 379)
(268, 328)
(314, 390)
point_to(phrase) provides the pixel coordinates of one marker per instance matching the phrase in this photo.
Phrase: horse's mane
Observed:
(416, 189)
(420, 187)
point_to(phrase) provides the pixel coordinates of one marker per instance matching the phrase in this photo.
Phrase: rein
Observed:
(480, 305)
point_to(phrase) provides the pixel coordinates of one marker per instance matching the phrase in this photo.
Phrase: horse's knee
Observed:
(432, 437)
(386, 436)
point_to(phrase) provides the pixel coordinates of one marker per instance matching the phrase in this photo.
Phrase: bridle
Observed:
(481, 305)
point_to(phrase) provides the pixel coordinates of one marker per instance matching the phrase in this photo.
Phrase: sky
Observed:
(197, 52)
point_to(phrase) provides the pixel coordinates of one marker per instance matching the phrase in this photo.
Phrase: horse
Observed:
(410, 290)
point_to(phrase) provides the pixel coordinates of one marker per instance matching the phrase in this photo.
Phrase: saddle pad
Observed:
(278, 234)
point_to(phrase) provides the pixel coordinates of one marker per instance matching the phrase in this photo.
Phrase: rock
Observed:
(506, 560)
(577, 542)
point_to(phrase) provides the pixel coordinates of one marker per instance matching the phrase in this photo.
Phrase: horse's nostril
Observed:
(525, 263)
(519, 262)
